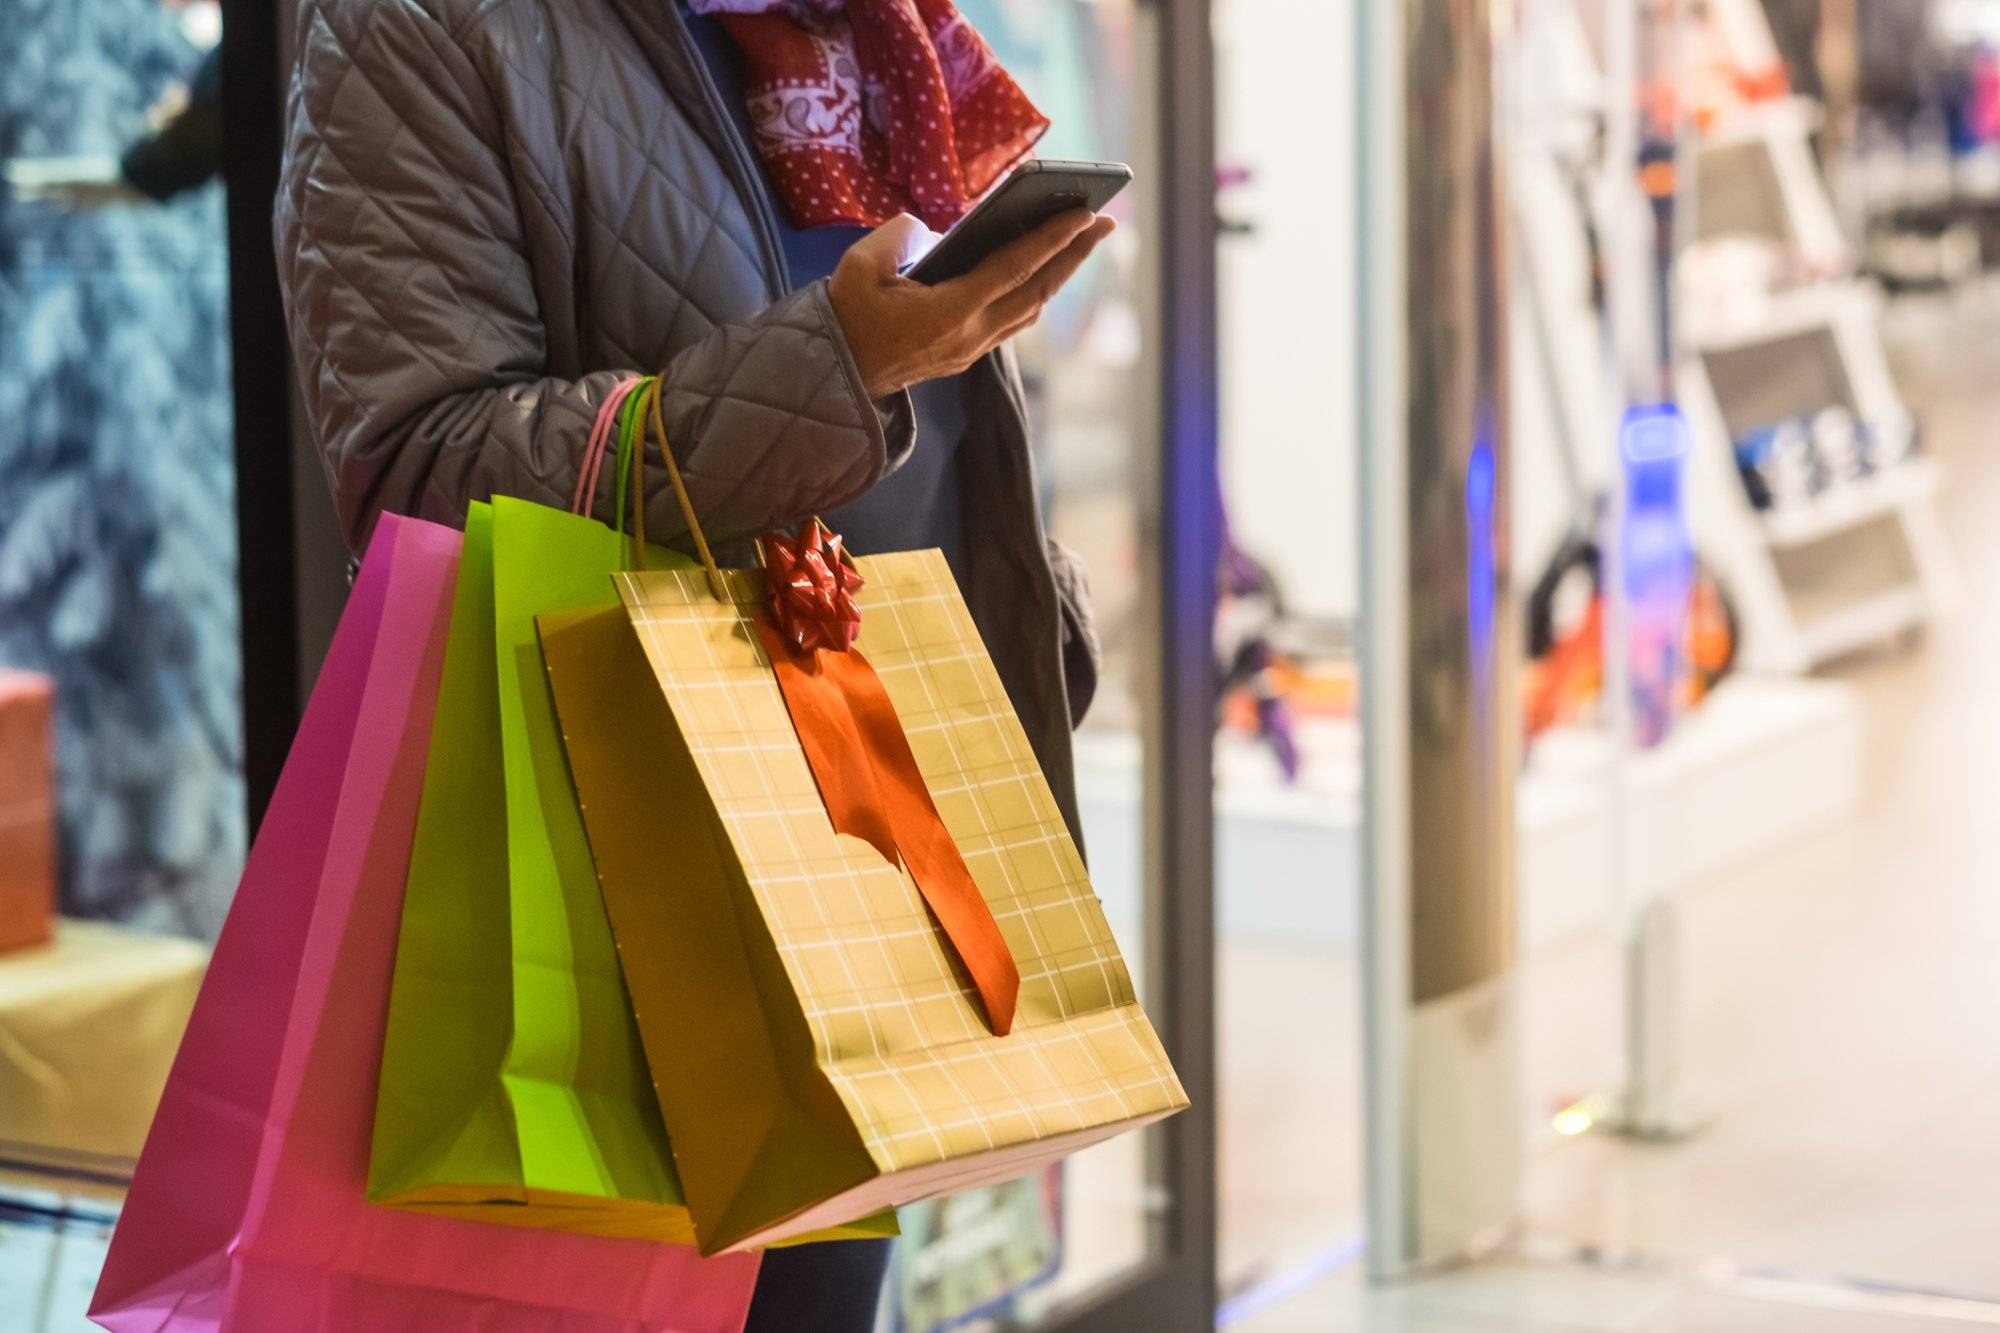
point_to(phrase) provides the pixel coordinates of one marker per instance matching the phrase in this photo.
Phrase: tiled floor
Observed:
(1519, 1296)
(1842, 996)
(1289, 1063)
(1841, 1025)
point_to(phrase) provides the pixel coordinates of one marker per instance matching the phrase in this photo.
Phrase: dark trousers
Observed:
(829, 1288)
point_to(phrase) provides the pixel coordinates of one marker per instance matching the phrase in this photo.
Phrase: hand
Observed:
(902, 332)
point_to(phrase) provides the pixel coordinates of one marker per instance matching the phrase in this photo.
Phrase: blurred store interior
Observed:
(1717, 516)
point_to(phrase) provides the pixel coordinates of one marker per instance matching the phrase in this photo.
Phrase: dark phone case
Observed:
(1034, 193)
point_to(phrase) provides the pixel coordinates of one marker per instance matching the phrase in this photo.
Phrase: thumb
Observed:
(893, 244)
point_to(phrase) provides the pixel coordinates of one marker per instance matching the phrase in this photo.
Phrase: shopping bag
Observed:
(246, 1211)
(831, 1050)
(514, 1087)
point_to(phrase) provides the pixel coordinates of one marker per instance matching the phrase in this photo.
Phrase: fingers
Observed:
(1025, 302)
(904, 332)
(884, 251)
(1011, 266)
(1018, 309)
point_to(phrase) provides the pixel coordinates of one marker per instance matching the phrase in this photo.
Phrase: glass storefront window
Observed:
(117, 493)
(1287, 757)
(121, 722)
(1095, 433)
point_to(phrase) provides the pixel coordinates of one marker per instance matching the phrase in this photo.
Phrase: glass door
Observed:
(118, 569)
(1287, 746)
(1120, 377)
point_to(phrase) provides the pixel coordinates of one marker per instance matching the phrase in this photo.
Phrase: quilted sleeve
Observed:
(422, 356)
(770, 423)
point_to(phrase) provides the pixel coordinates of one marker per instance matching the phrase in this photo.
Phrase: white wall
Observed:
(1284, 103)
(1284, 109)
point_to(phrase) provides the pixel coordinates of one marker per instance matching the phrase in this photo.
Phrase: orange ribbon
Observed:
(869, 780)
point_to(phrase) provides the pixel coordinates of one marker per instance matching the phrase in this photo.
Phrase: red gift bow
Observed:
(860, 757)
(809, 587)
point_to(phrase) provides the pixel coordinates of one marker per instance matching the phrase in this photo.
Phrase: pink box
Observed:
(27, 810)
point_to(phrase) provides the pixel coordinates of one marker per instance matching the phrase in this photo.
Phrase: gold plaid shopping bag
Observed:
(830, 1053)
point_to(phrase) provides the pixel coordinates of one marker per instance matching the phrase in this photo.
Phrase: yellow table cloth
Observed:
(88, 1028)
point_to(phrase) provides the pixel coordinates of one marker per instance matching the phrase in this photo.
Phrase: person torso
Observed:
(647, 226)
(916, 505)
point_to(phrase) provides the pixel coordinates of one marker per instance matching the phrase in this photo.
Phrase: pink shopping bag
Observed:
(246, 1212)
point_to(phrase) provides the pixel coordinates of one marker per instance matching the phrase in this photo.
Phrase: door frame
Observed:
(292, 558)
(253, 72)
(1175, 1288)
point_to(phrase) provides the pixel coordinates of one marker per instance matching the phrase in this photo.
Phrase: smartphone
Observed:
(1034, 192)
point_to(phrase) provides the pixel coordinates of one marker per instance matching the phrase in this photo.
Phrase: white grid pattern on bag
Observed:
(896, 1021)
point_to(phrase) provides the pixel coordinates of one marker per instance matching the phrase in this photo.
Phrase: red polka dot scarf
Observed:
(867, 108)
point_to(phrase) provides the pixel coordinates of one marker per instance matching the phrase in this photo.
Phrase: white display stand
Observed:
(1861, 563)
(1765, 761)
(1609, 834)
(1865, 561)
(1761, 154)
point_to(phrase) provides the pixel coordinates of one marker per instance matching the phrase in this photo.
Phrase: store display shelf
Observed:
(1886, 181)
(1884, 177)
(1867, 621)
(1850, 503)
(52, 1247)
(1764, 760)
(1977, 174)
(1754, 120)
(1782, 314)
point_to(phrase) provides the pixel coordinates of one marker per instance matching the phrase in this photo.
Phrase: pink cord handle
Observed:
(598, 444)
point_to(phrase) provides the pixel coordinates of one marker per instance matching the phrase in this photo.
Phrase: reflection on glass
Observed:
(118, 590)
(1287, 751)
(1092, 429)
(1772, 847)
(117, 568)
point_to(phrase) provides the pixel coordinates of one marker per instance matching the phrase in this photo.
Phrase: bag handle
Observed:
(633, 405)
(630, 479)
(594, 449)
(651, 407)
(622, 415)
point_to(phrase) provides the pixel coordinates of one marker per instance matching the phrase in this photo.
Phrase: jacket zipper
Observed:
(749, 175)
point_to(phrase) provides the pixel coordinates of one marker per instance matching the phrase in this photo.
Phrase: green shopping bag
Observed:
(514, 1087)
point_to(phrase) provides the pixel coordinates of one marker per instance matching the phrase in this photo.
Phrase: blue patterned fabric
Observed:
(117, 488)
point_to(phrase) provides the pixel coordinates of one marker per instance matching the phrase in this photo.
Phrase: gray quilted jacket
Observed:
(493, 210)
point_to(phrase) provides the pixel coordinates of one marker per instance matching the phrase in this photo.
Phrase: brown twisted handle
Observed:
(650, 408)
